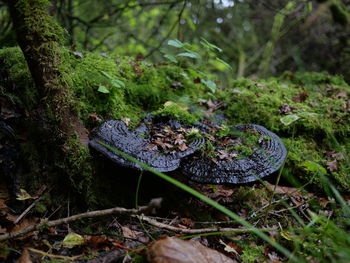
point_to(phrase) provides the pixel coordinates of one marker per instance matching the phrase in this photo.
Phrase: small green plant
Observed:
(112, 82)
(190, 51)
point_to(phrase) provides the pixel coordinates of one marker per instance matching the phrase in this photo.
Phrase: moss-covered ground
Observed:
(310, 111)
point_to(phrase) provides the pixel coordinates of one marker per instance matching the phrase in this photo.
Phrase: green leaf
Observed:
(313, 167)
(224, 62)
(117, 83)
(189, 55)
(103, 89)
(170, 57)
(113, 81)
(289, 119)
(23, 195)
(106, 74)
(210, 84)
(308, 114)
(175, 43)
(209, 45)
(72, 240)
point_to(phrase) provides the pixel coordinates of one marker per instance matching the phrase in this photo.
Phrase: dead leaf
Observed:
(188, 222)
(332, 165)
(183, 147)
(335, 155)
(236, 91)
(347, 105)
(280, 189)
(197, 80)
(96, 242)
(23, 195)
(179, 139)
(210, 104)
(137, 69)
(223, 154)
(94, 117)
(133, 234)
(228, 248)
(301, 96)
(324, 202)
(175, 250)
(2, 204)
(274, 258)
(285, 109)
(342, 94)
(260, 85)
(25, 257)
(139, 57)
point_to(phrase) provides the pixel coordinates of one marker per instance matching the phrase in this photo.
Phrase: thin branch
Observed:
(200, 230)
(25, 212)
(133, 5)
(46, 223)
(102, 41)
(170, 31)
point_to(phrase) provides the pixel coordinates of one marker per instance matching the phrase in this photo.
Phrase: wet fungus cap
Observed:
(141, 144)
(265, 160)
(134, 143)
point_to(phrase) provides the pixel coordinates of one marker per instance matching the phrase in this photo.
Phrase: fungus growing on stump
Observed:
(157, 143)
(265, 160)
(138, 144)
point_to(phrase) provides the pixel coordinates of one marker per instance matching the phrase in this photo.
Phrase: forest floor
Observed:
(303, 217)
(127, 236)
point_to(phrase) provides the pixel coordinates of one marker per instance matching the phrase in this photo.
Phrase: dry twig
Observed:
(200, 230)
(47, 223)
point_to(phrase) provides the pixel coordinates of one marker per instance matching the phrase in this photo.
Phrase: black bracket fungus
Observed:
(136, 143)
(148, 144)
(265, 160)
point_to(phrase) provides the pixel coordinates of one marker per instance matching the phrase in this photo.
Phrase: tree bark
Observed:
(40, 39)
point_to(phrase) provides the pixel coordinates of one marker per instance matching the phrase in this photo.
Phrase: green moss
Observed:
(250, 198)
(318, 99)
(16, 82)
(253, 254)
(174, 111)
(80, 170)
(147, 87)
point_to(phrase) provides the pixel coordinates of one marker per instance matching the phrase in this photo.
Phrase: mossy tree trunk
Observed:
(40, 37)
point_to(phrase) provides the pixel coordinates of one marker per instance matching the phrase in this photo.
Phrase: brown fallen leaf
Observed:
(295, 192)
(342, 94)
(285, 109)
(183, 147)
(229, 247)
(133, 234)
(175, 250)
(301, 96)
(25, 257)
(187, 221)
(332, 165)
